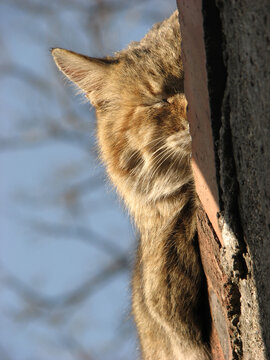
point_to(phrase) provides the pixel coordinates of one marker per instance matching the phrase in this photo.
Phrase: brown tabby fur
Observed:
(145, 143)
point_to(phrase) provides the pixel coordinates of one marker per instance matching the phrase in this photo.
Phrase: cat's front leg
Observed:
(154, 343)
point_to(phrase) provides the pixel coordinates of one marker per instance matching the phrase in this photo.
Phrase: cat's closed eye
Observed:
(163, 101)
(167, 100)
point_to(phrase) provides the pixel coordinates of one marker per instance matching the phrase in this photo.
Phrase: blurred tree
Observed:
(66, 247)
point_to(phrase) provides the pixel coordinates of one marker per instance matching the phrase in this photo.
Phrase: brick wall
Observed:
(211, 36)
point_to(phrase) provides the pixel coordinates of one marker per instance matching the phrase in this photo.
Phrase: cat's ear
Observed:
(89, 74)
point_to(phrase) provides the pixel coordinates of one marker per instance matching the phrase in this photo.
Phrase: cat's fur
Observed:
(145, 143)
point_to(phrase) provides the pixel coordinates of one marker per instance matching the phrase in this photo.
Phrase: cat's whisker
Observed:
(159, 164)
(160, 148)
(172, 165)
(161, 157)
(157, 140)
(155, 159)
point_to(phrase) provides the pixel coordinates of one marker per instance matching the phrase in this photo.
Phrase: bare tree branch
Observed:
(81, 233)
(75, 347)
(71, 298)
(26, 75)
(30, 139)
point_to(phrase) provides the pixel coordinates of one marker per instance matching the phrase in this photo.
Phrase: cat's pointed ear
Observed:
(89, 74)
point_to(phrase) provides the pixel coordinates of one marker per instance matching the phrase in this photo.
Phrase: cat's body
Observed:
(145, 143)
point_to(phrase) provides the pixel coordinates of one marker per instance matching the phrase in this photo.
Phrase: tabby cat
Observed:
(144, 141)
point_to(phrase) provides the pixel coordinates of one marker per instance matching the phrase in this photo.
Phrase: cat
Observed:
(145, 144)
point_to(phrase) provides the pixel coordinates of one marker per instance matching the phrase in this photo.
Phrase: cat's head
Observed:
(141, 111)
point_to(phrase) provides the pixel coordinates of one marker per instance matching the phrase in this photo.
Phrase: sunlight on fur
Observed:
(145, 144)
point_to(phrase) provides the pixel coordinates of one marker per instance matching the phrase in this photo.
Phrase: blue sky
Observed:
(47, 153)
